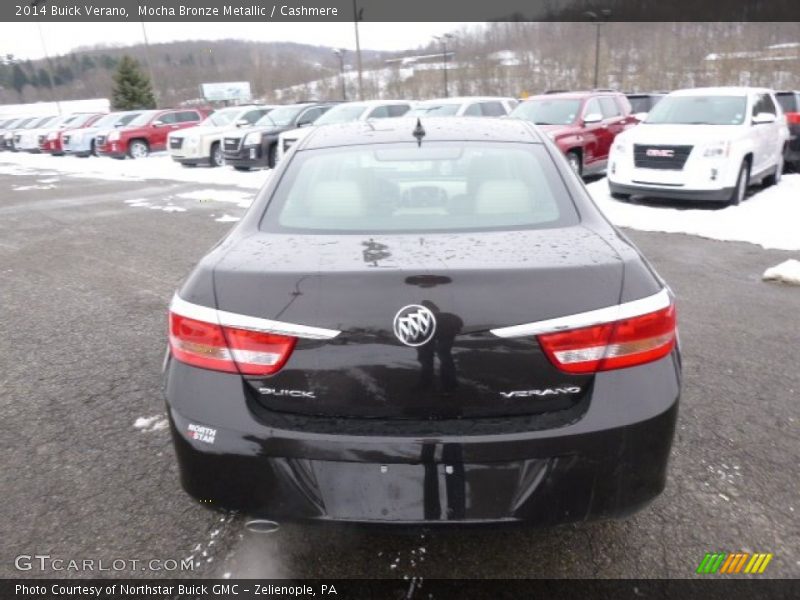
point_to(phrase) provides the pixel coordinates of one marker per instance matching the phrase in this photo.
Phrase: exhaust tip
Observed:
(261, 526)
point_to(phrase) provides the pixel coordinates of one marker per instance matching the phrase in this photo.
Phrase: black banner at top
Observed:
(397, 10)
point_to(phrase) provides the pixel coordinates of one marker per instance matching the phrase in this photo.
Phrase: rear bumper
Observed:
(609, 463)
(718, 195)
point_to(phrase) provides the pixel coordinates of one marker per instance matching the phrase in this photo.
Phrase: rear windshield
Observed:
(699, 110)
(549, 111)
(441, 186)
(788, 101)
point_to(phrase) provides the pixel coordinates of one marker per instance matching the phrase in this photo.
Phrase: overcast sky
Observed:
(23, 39)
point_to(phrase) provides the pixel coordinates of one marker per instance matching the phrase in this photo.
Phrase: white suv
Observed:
(345, 113)
(702, 144)
(203, 144)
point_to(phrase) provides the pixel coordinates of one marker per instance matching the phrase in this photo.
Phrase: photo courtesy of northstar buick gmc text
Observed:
(424, 321)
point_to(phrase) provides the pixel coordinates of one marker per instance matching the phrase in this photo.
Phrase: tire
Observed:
(138, 149)
(272, 156)
(242, 168)
(742, 183)
(216, 158)
(92, 149)
(574, 160)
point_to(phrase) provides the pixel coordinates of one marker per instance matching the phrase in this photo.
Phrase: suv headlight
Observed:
(113, 136)
(252, 138)
(620, 146)
(191, 142)
(717, 149)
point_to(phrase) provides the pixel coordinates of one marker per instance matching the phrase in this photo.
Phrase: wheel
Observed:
(242, 168)
(742, 181)
(217, 159)
(138, 149)
(574, 160)
(272, 157)
(775, 178)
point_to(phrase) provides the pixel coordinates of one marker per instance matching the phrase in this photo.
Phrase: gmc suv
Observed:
(258, 146)
(582, 124)
(702, 144)
(790, 103)
(147, 133)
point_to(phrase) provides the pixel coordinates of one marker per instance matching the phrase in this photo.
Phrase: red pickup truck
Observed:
(582, 124)
(147, 133)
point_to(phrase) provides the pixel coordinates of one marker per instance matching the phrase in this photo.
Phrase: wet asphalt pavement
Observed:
(85, 279)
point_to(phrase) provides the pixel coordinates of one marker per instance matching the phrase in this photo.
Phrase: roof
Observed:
(573, 95)
(719, 91)
(388, 131)
(462, 99)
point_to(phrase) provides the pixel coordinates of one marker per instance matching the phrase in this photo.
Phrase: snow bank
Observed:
(157, 166)
(769, 218)
(787, 272)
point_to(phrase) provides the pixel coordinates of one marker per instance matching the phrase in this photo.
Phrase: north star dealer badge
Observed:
(201, 433)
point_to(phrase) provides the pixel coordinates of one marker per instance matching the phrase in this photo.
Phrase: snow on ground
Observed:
(157, 166)
(769, 218)
(787, 272)
(240, 199)
(150, 424)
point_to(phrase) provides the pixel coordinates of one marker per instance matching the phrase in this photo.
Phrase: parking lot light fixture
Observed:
(339, 52)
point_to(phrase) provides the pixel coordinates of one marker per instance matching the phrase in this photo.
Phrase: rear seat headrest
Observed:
(336, 199)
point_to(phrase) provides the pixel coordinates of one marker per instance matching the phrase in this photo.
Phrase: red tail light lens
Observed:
(793, 118)
(213, 346)
(626, 343)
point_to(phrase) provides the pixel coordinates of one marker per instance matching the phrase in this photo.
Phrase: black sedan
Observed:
(422, 323)
(257, 147)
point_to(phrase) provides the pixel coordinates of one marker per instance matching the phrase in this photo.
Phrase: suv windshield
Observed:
(434, 110)
(699, 110)
(548, 111)
(341, 114)
(40, 123)
(222, 117)
(142, 118)
(440, 186)
(282, 116)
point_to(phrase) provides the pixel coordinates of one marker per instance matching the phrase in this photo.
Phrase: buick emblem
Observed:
(414, 325)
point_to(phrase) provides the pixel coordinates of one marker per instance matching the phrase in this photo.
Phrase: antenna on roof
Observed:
(419, 132)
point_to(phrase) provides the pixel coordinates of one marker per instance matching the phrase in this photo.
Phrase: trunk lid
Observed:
(472, 283)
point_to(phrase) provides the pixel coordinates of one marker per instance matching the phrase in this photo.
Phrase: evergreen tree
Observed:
(19, 79)
(132, 88)
(43, 78)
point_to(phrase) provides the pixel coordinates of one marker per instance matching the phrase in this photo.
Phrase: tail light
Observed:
(230, 349)
(624, 343)
(793, 118)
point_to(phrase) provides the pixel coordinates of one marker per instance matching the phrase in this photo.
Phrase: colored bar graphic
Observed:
(724, 563)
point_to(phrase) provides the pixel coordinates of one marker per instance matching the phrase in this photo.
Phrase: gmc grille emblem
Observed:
(414, 325)
(660, 152)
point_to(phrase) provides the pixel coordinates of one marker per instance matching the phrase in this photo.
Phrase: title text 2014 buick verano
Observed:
(419, 324)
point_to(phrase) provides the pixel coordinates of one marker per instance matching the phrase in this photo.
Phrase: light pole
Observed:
(598, 19)
(340, 53)
(358, 15)
(442, 39)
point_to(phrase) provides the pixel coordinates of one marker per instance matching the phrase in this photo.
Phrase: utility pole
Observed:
(340, 53)
(51, 75)
(598, 19)
(358, 15)
(442, 39)
(149, 61)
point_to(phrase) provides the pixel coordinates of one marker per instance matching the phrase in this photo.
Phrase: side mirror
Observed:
(640, 116)
(593, 118)
(303, 123)
(158, 123)
(242, 123)
(762, 118)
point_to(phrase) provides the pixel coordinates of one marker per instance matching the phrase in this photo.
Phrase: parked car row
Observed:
(700, 144)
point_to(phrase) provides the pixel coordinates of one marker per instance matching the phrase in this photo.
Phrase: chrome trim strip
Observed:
(608, 314)
(229, 319)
